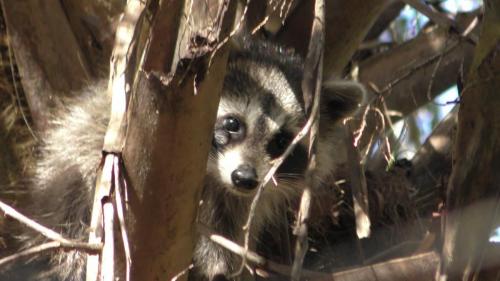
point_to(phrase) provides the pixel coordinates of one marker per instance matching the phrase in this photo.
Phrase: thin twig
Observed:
(313, 65)
(311, 89)
(103, 189)
(182, 273)
(115, 133)
(267, 17)
(231, 34)
(434, 73)
(16, 87)
(58, 240)
(431, 13)
(49, 233)
(49, 246)
(108, 256)
(423, 64)
(119, 188)
(252, 257)
(300, 230)
(358, 185)
(440, 19)
(276, 164)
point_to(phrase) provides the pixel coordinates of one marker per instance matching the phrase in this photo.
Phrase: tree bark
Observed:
(171, 118)
(93, 24)
(415, 268)
(473, 191)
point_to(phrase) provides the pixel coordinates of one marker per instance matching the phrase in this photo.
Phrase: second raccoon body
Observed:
(260, 112)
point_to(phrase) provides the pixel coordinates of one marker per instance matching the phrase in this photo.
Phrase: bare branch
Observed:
(96, 235)
(49, 233)
(415, 268)
(50, 246)
(108, 256)
(358, 186)
(346, 30)
(384, 20)
(121, 186)
(113, 142)
(277, 162)
(440, 18)
(405, 80)
(58, 243)
(431, 13)
(311, 91)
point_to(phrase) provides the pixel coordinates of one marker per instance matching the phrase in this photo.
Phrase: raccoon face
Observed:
(247, 140)
(260, 112)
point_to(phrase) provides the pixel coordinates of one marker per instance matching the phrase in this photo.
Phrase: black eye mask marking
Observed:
(268, 103)
(279, 143)
(296, 162)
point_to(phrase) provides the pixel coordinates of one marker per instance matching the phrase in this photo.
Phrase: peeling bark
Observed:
(168, 140)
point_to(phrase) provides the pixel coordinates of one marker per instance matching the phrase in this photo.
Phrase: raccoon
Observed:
(261, 110)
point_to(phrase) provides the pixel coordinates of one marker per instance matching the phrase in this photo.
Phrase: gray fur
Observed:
(262, 88)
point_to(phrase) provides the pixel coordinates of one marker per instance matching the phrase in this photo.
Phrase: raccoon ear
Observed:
(340, 99)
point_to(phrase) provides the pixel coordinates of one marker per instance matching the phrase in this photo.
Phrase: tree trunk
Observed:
(172, 112)
(473, 190)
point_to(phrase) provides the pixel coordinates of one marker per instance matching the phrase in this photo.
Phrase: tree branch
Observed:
(404, 73)
(51, 246)
(415, 268)
(47, 54)
(57, 243)
(344, 32)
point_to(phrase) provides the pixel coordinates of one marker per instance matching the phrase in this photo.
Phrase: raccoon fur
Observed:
(260, 111)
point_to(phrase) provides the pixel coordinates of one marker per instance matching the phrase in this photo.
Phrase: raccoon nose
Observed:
(245, 177)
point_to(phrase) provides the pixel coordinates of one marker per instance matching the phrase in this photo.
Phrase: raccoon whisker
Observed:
(291, 185)
(290, 180)
(290, 176)
(293, 179)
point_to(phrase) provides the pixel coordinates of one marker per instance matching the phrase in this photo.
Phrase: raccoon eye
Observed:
(231, 124)
(278, 144)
